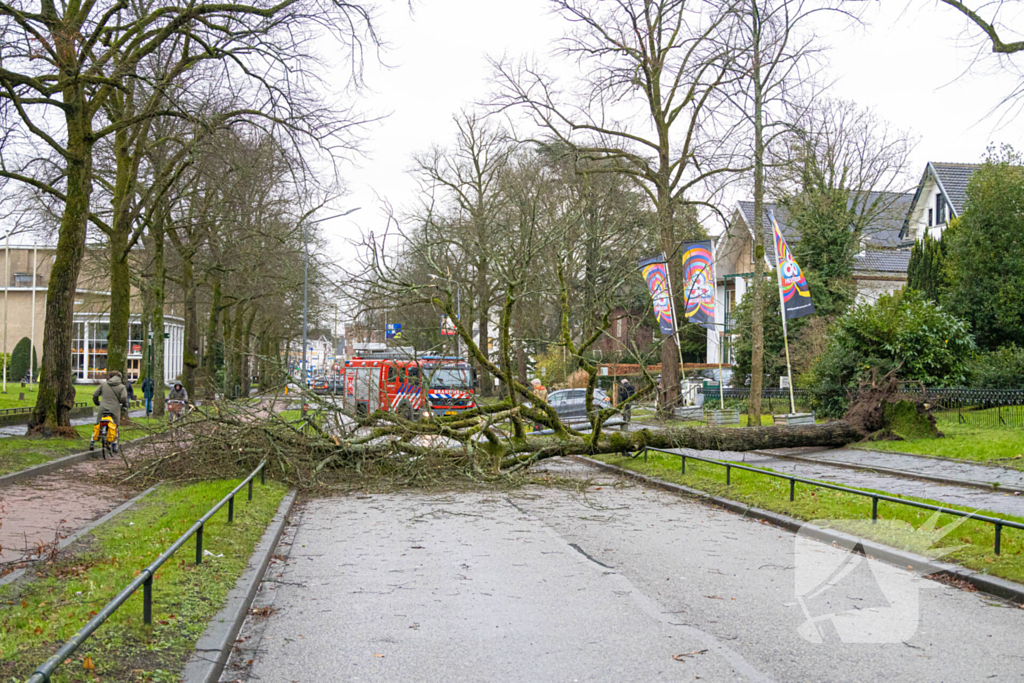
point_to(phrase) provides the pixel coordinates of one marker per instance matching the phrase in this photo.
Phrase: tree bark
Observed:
(669, 349)
(159, 299)
(191, 352)
(120, 231)
(757, 310)
(210, 359)
(56, 395)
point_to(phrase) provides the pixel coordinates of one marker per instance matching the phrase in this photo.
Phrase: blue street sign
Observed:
(393, 331)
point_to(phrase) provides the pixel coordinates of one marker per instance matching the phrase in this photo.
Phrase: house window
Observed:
(940, 210)
(751, 251)
(23, 279)
(930, 223)
(620, 328)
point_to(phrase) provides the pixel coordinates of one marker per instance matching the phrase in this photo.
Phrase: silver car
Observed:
(571, 406)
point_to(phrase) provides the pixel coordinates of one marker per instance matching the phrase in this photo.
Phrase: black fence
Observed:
(981, 407)
(997, 522)
(774, 401)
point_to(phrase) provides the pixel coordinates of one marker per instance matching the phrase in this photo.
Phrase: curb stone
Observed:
(906, 474)
(18, 573)
(993, 585)
(215, 645)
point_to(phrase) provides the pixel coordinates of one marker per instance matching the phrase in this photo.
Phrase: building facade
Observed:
(26, 273)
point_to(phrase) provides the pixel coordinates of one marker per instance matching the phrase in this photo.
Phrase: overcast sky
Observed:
(906, 63)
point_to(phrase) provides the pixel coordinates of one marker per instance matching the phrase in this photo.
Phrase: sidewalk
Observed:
(994, 501)
(19, 430)
(944, 468)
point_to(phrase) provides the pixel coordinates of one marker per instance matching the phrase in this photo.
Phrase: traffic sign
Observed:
(393, 331)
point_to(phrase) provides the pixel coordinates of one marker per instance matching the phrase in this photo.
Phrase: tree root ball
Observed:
(878, 416)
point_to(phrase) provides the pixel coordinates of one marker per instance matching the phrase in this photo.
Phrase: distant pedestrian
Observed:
(626, 392)
(147, 393)
(131, 390)
(539, 389)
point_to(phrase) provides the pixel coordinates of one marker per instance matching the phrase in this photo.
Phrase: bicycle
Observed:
(107, 428)
(177, 410)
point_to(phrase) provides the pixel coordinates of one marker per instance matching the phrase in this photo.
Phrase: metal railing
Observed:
(999, 523)
(25, 410)
(145, 580)
(981, 407)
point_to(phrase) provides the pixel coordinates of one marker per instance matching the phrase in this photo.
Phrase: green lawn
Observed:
(995, 445)
(83, 394)
(38, 617)
(821, 504)
(19, 452)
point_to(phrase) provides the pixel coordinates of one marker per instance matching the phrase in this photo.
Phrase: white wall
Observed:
(869, 290)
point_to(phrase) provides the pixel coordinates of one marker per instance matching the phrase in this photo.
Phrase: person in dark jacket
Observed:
(147, 393)
(110, 396)
(626, 392)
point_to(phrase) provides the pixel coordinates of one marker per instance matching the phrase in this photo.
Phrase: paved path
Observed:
(947, 468)
(19, 430)
(52, 506)
(582, 583)
(1006, 503)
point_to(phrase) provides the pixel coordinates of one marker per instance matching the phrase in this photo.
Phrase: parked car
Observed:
(321, 385)
(571, 406)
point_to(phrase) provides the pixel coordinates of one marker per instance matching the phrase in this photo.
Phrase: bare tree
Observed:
(671, 60)
(774, 52)
(62, 67)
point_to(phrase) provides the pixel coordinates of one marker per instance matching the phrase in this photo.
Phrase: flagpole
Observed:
(721, 340)
(675, 321)
(782, 310)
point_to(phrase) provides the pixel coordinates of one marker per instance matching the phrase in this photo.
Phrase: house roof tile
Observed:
(883, 233)
(954, 179)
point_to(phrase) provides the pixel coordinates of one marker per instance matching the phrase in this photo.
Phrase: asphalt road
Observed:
(598, 581)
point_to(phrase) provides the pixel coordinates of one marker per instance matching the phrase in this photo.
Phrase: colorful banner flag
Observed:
(655, 271)
(796, 296)
(699, 279)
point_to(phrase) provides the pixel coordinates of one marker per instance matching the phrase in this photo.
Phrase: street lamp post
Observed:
(458, 308)
(305, 283)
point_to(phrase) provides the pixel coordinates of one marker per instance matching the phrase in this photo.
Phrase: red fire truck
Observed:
(413, 388)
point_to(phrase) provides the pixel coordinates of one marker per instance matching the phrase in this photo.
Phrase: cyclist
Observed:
(110, 395)
(177, 394)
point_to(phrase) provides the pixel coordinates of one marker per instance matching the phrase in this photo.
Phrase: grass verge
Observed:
(994, 445)
(970, 544)
(37, 617)
(83, 394)
(19, 452)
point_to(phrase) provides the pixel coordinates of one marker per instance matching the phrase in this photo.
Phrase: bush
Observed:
(1000, 369)
(20, 360)
(900, 329)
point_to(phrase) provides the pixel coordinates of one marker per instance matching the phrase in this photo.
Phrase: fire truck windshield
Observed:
(450, 377)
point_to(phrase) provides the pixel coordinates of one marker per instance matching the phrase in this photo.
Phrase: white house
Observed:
(898, 220)
(940, 196)
(879, 267)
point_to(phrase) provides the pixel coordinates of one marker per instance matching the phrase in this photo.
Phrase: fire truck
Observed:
(412, 387)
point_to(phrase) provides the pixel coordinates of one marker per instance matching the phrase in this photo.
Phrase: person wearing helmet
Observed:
(111, 395)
